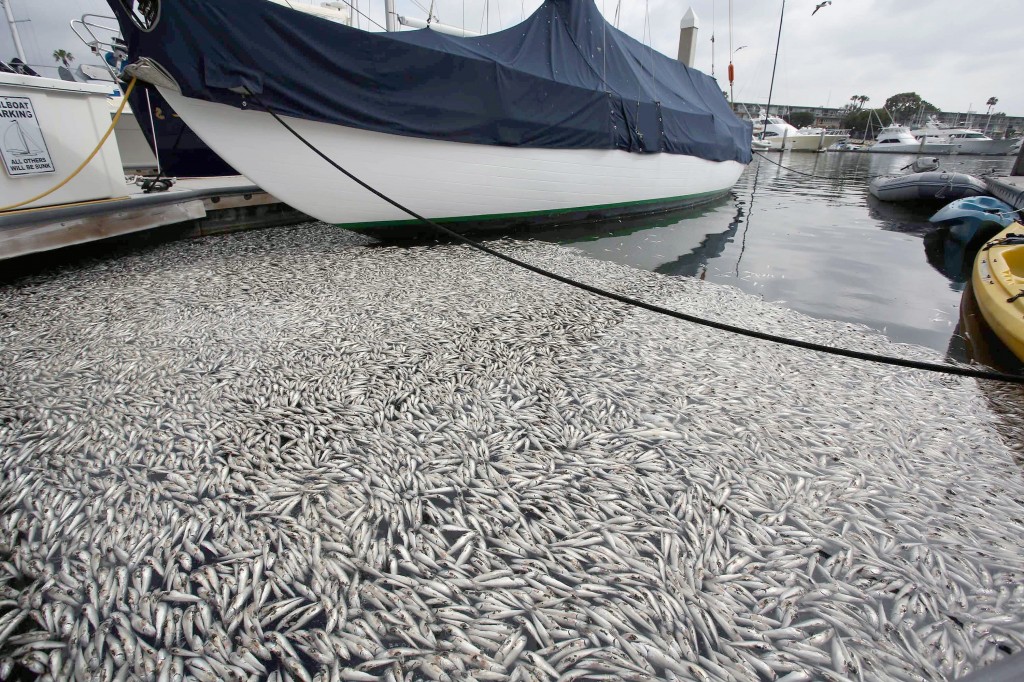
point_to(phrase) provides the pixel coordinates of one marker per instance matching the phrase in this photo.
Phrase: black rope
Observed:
(156, 184)
(900, 362)
(792, 170)
(812, 175)
(771, 86)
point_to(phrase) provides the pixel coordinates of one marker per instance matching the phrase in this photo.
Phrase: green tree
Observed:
(859, 121)
(64, 57)
(906, 105)
(800, 119)
(992, 101)
(857, 102)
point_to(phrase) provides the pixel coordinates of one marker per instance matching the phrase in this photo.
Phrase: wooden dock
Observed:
(1008, 188)
(193, 207)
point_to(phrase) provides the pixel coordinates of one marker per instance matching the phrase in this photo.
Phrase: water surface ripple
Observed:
(821, 245)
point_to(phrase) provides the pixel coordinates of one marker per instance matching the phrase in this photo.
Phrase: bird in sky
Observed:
(820, 5)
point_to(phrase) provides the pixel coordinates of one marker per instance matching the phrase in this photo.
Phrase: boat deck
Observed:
(192, 207)
(1008, 188)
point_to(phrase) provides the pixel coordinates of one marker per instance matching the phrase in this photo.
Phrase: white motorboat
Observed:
(47, 127)
(976, 142)
(969, 141)
(556, 137)
(781, 136)
(897, 139)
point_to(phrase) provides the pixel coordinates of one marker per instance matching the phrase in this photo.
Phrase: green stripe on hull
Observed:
(673, 202)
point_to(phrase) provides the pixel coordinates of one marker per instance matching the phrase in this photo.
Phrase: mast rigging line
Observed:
(650, 307)
(821, 177)
(771, 86)
(365, 16)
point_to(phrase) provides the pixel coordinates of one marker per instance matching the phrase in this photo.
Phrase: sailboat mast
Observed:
(14, 30)
(389, 15)
(771, 86)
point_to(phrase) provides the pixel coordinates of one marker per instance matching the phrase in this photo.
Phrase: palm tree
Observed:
(64, 57)
(992, 101)
(861, 100)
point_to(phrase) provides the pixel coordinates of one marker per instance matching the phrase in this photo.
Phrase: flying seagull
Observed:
(820, 5)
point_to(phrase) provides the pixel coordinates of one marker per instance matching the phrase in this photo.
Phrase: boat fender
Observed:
(923, 165)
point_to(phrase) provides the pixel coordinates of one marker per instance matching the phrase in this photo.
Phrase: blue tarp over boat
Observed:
(564, 78)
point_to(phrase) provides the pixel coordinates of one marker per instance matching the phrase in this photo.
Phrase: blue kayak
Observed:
(968, 216)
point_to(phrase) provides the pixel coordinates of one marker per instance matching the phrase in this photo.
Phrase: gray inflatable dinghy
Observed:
(926, 182)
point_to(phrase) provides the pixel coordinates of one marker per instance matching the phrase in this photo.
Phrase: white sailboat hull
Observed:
(445, 180)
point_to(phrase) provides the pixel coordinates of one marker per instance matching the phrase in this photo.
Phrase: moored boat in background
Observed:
(780, 135)
(557, 136)
(897, 139)
(969, 140)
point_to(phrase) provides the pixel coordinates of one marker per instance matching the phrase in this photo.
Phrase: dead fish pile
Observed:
(296, 455)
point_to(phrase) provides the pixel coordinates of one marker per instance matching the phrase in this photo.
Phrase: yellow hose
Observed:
(85, 163)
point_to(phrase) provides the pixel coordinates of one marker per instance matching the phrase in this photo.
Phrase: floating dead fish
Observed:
(295, 454)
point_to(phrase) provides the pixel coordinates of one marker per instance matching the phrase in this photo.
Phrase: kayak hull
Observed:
(998, 282)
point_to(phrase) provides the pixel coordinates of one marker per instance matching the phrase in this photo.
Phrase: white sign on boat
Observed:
(21, 139)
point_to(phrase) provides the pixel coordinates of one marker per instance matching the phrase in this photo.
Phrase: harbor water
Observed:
(822, 246)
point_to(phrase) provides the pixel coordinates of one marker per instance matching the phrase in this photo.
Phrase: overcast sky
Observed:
(953, 53)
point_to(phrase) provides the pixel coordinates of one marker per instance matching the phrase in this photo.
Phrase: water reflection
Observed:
(821, 245)
(950, 256)
(695, 261)
(901, 216)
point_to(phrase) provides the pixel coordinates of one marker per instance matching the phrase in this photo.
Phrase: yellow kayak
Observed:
(999, 286)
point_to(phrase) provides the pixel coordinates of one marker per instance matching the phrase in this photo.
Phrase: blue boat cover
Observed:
(564, 78)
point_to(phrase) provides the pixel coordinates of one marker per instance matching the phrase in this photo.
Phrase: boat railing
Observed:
(86, 30)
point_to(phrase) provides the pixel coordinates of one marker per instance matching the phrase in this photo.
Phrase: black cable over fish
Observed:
(858, 355)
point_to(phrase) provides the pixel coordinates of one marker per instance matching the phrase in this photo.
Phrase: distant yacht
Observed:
(780, 135)
(971, 141)
(896, 139)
